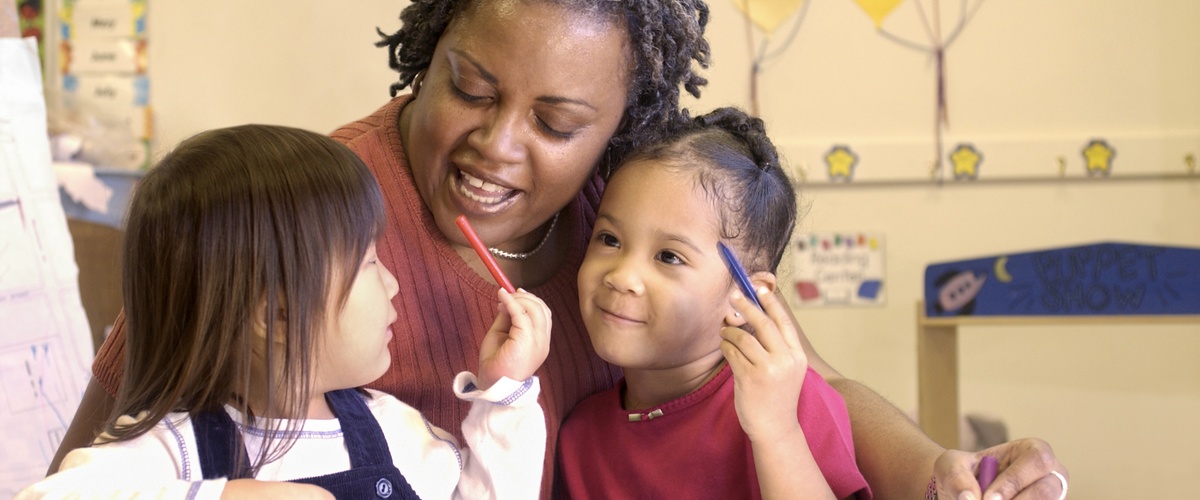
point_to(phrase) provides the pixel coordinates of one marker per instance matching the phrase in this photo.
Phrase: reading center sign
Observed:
(833, 269)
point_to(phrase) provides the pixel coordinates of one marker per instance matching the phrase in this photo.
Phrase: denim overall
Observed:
(372, 474)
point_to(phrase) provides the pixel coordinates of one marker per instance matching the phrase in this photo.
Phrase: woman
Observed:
(517, 107)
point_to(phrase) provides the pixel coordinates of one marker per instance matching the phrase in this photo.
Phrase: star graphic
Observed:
(966, 160)
(1099, 155)
(841, 161)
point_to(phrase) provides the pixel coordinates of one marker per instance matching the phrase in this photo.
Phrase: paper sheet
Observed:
(45, 345)
(79, 181)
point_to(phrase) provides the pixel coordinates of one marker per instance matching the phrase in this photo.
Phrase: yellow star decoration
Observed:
(841, 163)
(1099, 155)
(966, 162)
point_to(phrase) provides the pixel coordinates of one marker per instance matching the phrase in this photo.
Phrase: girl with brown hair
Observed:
(256, 306)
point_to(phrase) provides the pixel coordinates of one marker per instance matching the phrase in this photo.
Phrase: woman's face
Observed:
(515, 110)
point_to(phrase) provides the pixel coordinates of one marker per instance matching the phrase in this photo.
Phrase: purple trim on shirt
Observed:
(454, 447)
(525, 386)
(187, 464)
(286, 434)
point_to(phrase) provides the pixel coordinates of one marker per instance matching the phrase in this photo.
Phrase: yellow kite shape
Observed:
(878, 9)
(768, 14)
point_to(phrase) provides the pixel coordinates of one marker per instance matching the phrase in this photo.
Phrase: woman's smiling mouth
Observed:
(479, 190)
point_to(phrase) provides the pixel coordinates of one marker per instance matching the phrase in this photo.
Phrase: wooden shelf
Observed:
(937, 360)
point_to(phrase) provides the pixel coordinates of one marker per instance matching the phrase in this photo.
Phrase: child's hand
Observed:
(768, 374)
(768, 368)
(518, 341)
(253, 488)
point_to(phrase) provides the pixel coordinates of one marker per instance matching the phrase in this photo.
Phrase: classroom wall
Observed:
(1028, 82)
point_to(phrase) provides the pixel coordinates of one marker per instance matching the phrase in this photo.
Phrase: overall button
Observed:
(383, 488)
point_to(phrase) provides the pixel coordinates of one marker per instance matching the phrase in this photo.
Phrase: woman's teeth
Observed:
(497, 192)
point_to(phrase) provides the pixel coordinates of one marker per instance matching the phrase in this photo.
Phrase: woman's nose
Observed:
(500, 139)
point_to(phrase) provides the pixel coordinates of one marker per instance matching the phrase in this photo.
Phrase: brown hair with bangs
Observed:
(237, 226)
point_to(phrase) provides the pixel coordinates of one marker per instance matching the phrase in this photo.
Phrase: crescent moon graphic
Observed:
(1001, 270)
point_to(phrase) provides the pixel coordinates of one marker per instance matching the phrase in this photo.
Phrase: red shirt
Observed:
(696, 448)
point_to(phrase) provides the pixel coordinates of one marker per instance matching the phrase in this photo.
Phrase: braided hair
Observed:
(738, 167)
(665, 37)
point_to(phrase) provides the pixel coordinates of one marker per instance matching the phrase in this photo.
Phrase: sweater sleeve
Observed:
(505, 433)
(108, 367)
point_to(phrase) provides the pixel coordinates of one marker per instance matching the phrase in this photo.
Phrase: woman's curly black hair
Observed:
(738, 167)
(666, 37)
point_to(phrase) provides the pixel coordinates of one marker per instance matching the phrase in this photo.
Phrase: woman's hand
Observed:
(1025, 467)
(518, 341)
(768, 367)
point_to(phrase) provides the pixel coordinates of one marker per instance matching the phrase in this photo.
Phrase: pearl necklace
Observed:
(525, 255)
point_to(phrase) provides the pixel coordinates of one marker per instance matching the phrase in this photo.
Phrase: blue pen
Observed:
(739, 274)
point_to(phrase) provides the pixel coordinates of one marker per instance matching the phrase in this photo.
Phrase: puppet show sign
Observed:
(1097, 279)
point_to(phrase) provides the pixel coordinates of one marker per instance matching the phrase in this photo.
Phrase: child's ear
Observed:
(260, 322)
(761, 279)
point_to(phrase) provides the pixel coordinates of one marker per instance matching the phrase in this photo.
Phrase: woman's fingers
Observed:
(1052, 486)
(1029, 470)
(1028, 466)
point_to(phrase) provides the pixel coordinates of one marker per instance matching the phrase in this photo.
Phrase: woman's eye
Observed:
(669, 257)
(553, 132)
(471, 98)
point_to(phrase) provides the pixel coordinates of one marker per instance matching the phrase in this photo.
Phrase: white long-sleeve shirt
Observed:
(505, 432)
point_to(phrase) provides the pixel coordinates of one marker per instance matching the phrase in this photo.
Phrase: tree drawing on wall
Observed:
(767, 16)
(936, 46)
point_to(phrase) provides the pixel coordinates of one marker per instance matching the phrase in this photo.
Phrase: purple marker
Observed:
(987, 472)
(739, 274)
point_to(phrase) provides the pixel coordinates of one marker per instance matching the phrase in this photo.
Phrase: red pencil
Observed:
(488, 260)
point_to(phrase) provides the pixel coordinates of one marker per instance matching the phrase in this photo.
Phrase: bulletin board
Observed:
(102, 65)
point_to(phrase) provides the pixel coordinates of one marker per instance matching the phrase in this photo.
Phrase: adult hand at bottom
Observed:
(1028, 469)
